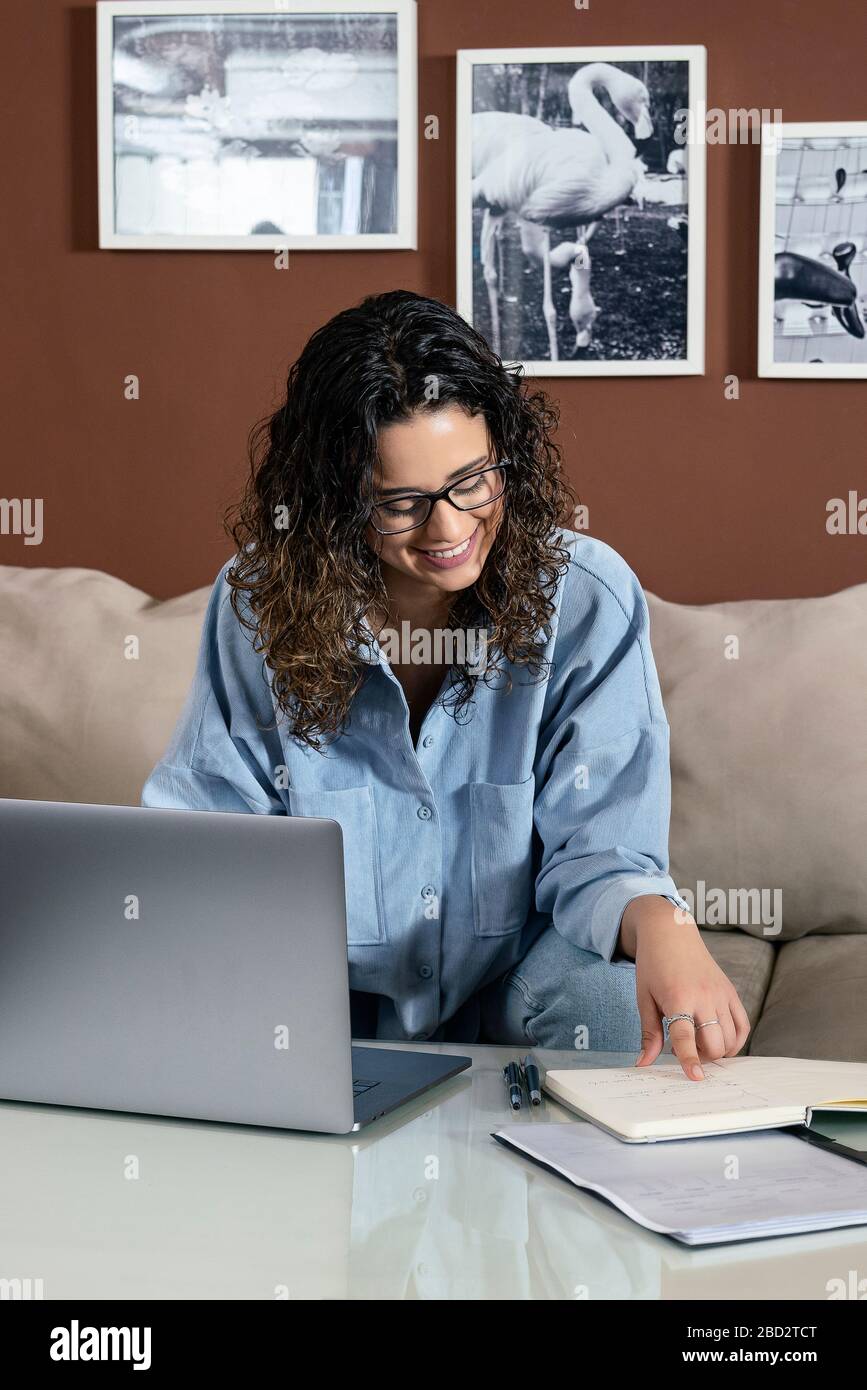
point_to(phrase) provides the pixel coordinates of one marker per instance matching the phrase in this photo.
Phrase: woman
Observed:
(407, 642)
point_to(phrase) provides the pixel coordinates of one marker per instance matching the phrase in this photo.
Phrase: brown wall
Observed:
(706, 498)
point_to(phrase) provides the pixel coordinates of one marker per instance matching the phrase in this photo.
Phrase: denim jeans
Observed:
(558, 996)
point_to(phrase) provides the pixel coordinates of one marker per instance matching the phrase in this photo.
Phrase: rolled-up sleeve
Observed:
(603, 785)
(219, 758)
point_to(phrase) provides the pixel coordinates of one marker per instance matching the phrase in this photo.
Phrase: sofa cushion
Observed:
(81, 719)
(815, 1005)
(768, 759)
(749, 964)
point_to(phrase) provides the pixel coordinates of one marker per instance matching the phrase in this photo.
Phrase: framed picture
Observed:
(813, 250)
(243, 126)
(581, 207)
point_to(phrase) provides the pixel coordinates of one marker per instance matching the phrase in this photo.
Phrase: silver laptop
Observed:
(187, 963)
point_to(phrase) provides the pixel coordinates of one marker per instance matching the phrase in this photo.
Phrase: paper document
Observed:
(705, 1191)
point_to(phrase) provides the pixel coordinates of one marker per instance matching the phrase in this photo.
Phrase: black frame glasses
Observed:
(444, 495)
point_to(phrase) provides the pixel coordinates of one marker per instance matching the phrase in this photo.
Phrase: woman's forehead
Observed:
(434, 442)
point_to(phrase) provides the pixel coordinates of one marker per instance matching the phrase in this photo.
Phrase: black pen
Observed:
(532, 1080)
(512, 1078)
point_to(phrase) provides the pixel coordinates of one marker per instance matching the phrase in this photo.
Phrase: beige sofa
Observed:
(767, 702)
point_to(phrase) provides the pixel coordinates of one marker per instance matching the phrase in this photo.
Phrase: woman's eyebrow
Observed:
(458, 473)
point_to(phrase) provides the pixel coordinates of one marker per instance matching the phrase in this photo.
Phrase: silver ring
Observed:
(709, 1024)
(667, 1022)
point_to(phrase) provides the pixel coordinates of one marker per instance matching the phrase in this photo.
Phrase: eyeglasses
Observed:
(413, 509)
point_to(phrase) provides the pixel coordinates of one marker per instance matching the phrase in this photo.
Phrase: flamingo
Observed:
(671, 187)
(582, 309)
(630, 96)
(576, 257)
(550, 178)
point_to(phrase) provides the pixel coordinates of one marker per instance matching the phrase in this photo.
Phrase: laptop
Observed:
(186, 963)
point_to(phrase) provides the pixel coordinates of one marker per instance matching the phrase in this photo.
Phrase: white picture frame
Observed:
(808, 215)
(211, 135)
(688, 303)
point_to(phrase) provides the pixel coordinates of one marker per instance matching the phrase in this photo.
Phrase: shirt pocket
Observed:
(354, 811)
(501, 847)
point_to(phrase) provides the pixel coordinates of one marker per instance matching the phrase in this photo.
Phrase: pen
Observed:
(531, 1079)
(512, 1078)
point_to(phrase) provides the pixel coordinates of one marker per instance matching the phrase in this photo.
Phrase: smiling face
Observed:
(432, 450)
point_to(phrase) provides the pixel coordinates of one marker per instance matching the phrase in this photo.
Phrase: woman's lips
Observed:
(450, 562)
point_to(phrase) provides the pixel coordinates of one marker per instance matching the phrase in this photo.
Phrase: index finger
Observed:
(682, 1035)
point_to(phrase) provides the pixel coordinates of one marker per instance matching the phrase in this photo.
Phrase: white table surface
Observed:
(422, 1204)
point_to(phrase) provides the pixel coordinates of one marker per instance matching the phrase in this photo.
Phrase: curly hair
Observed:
(305, 586)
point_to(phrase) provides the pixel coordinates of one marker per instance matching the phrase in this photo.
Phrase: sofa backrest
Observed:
(767, 701)
(93, 674)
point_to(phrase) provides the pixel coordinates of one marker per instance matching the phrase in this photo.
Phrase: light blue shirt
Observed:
(551, 801)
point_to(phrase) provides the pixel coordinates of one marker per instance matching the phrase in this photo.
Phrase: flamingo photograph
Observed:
(580, 210)
(813, 290)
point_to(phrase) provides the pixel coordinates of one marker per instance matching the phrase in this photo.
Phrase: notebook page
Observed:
(634, 1100)
(639, 1100)
(689, 1187)
(802, 1081)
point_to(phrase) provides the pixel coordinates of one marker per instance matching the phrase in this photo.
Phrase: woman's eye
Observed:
(470, 488)
(403, 506)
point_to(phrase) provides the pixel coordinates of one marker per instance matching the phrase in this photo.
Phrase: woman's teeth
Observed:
(447, 554)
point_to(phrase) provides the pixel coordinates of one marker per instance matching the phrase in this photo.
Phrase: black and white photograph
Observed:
(813, 278)
(580, 196)
(234, 125)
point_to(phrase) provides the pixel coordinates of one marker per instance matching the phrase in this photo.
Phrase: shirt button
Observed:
(425, 971)
(427, 741)
(423, 813)
(428, 891)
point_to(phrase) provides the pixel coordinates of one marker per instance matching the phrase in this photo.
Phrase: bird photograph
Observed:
(820, 251)
(580, 211)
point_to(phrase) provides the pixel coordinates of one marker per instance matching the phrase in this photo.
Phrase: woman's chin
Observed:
(451, 580)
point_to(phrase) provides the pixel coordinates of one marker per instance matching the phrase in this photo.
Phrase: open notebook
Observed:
(641, 1104)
